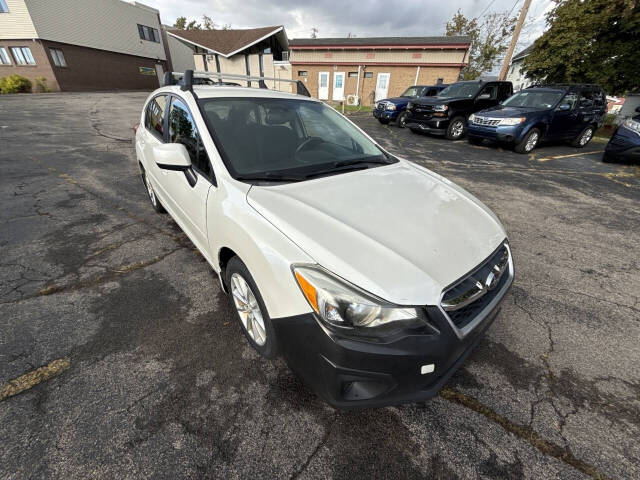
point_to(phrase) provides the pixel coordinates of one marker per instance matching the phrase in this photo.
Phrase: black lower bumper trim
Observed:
(349, 373)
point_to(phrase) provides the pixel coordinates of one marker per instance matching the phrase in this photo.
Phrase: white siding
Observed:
(103, 24)
(17, 23)
(181, 55)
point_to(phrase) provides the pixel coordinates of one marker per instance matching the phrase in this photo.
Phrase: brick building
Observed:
(82, 44)
(375, 68)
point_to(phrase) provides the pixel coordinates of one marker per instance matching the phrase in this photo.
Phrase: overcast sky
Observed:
(362, 18)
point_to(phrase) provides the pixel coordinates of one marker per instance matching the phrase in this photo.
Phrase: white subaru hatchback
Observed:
(372, 276)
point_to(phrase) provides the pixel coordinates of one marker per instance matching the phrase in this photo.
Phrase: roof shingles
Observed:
(225, 41)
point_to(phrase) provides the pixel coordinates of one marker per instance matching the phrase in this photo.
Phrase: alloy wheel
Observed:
(457, 129)
(586, 136)
(531, 141)
(248, 309)
(152, 194)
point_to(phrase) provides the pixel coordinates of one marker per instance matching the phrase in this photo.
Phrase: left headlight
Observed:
(341, 305)
(633, 125)
(440, 108)
(512, 121)
(390, 106)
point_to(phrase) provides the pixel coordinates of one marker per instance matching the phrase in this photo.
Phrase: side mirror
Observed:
(564, 107)
(484, 96)
(172, 156)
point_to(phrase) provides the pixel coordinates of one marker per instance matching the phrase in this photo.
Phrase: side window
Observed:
(492, 90)
(182, 129)
(504, 91)
(154, 120)
(569, 99)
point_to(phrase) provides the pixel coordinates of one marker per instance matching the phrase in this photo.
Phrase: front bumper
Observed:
(500, 134)
(350, 373)
(623, 145)
(436, 126)
(385, 114)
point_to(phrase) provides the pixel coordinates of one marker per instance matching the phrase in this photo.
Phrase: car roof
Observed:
(228, 91)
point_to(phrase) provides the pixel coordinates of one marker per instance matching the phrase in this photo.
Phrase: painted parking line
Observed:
(546, 159)
(33, 378)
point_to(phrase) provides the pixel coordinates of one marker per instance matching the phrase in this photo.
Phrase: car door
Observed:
(188, 190)
(564, 123)
(151, 135)
(487, 97)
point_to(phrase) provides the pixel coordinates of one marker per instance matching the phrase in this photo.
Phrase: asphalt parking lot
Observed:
(148, 375)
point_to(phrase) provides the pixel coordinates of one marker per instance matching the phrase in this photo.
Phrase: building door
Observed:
(323, 85)
(382, 86)
(338, 86)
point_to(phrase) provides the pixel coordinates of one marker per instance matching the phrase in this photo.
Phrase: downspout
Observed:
(246, 66)
(358, 84)
(417, 73)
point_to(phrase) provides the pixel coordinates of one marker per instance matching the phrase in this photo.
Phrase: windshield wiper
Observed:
(270, 177)
(348, 166)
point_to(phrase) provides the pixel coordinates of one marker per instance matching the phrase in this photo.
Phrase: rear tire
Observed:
(155, 202)
(402, 120)
(250, 310)
(457, 128)
(529, 142)
(384, 121)
(584, 138)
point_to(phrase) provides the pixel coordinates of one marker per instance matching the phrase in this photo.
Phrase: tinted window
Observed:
(533, 99)
(154, 121)
(491, 90)
(461, 89)
(569, 99)
(182, 129)
(279, 135)
(504, 91)
(412, 92)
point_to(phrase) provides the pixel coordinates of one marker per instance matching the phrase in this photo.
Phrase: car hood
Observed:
(438, 100)
(399, 231)
(500, 111)
(396, 100)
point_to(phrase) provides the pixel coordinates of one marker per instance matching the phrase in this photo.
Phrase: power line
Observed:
(514, 6)
(486, 8)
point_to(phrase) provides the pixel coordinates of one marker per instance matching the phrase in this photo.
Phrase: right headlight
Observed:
(409, 105)
(472, 117)
(342, 305)
(632, 124)
(440, 108)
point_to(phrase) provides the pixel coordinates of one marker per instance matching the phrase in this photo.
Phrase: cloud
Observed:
(363, 18)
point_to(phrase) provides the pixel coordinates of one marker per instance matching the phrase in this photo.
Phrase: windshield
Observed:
(533, 99)
(462, 89)
(286, 139)
(412, 92)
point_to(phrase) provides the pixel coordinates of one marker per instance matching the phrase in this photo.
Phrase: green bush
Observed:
(15, 84)
(41, 85)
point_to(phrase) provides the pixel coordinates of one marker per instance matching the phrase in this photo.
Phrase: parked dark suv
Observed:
(546, 112)
(446, 114)
(391, 109)
(625, 142)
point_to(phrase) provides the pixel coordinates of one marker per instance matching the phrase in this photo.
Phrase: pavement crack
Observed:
(523, 432)
(321, 443)
(33, 378)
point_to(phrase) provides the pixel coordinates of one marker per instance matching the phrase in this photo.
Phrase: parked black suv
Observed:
(447, 113)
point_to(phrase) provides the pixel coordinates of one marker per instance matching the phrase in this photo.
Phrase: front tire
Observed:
(457, 128)
(250, 309)
(584, 138)
(153, 198)
(529, 142)
(384, 121)
(402, 120)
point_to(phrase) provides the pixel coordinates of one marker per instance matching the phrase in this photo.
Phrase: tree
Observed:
(181, 23)
(207, 24)
(589, 41)
(490, 37)
(314, 32)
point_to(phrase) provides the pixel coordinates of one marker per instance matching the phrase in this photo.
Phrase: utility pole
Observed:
(514, 40)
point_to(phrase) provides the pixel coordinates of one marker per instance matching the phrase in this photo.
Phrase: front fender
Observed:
(267, 253)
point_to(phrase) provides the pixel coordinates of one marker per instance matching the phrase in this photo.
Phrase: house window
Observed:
(58, 57)
(22, 56)
(368, 74)
(4, 57)
(285, 56)
(148, 33)
(353, 74)
(3, 7)
(302, 73)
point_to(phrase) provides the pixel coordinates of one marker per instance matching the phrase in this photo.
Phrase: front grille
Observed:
(382, 105)
(486, 121)
(475, 285)
(423, 108)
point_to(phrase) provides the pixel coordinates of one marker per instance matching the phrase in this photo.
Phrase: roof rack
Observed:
(564, 85)
(189, 78)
